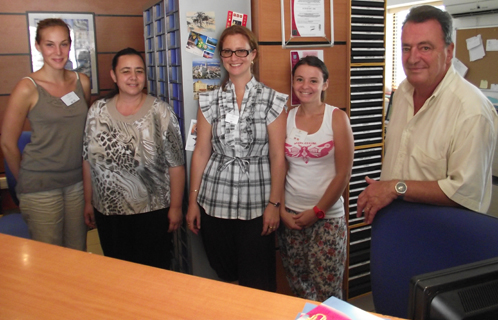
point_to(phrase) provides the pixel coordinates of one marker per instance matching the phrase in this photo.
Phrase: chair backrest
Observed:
(24, 139)
(409, 239)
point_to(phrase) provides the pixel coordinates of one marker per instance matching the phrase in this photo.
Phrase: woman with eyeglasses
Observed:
(238, 168)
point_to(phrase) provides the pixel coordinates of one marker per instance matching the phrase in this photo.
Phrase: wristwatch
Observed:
(319, 212)
(275, 204)
(400, 189)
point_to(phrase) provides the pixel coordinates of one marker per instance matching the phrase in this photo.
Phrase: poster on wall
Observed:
(82, 56)
(295, 56)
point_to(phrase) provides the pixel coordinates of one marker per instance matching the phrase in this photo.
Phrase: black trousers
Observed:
(236, 250)
(142, 238)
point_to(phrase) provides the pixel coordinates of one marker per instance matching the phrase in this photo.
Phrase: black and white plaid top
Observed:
(236, 182)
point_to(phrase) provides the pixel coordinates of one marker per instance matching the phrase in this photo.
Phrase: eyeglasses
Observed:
(227, 53)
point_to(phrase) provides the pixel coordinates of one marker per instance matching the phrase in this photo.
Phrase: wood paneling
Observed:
(267, 21)
(114, 7)
(105, 65)
(14, 68)
(15, 28)
(116, 33)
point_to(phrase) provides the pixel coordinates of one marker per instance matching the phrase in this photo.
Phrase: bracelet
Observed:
(275, 204)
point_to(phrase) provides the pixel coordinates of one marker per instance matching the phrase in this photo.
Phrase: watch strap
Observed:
(319, 212)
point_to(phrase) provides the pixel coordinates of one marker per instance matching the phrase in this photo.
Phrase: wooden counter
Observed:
(41, 281)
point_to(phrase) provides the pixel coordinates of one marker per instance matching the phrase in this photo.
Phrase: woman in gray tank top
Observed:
(49, 172)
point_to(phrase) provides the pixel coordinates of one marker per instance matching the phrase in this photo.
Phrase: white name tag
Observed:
(298, 135)
(232, 118)
(70, 98)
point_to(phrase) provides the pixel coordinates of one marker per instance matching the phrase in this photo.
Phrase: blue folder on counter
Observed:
(354, 313)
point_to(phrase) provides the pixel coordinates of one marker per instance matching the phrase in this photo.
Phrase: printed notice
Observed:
(492, 45)
(308, 18)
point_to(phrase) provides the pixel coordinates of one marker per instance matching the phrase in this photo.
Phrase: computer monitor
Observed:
(468, 291)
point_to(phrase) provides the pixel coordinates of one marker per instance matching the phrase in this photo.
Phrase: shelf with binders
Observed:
(164, 74)
(359, 270)
(359, 266)
(367, 162)
(366, 112)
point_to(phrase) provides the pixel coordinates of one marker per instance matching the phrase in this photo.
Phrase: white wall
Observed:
(485, 20)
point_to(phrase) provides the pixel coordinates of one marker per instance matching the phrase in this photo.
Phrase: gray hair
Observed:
(424, 13)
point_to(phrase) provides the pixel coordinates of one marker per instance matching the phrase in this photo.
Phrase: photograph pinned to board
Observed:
(82, 56)
(192, 136)
(201, 45)
(200, 21)
(295, 56)
(236, 18)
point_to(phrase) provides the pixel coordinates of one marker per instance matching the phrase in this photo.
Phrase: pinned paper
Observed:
(492, 45)
(474, 42)
(460, 67)
(483, 84)
(494, 87)
(475, 47)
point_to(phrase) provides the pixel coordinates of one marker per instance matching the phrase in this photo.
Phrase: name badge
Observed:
(298, 135)
(232, 118)
(70, 98)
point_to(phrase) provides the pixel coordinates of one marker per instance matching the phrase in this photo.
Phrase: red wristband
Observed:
(319, 212)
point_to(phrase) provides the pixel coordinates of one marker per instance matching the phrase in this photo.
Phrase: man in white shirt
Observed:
(442, 133)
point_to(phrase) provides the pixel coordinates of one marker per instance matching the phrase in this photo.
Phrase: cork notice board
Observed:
(482, 69)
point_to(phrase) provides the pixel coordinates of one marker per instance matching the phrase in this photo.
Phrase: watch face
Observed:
(401, 187)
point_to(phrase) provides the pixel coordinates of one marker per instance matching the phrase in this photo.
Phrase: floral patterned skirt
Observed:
(314, 258)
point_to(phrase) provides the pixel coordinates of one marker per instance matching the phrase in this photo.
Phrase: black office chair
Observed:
(13, 223)
(409, 239)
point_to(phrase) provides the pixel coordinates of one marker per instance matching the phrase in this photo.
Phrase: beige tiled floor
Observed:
(93, 242)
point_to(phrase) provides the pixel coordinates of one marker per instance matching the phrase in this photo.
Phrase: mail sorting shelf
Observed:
(367, 31)
(367, 98)
(367, 162)
(359, 261)
(163, 62)
(367, 116)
